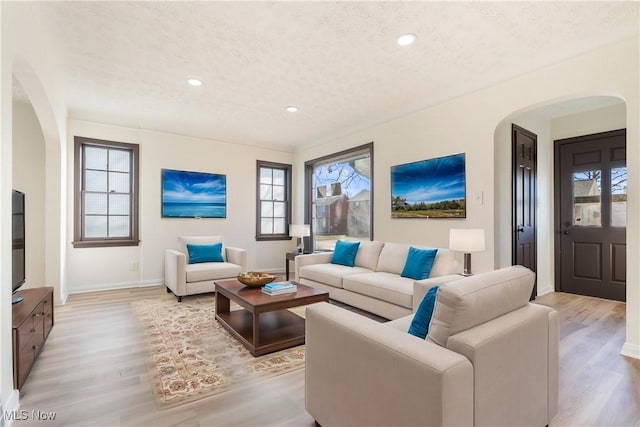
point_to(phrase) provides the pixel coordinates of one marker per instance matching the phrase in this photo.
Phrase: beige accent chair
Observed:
(490, 359)
(183, 278)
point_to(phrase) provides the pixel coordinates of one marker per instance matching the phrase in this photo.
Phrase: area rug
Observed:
(192, 356)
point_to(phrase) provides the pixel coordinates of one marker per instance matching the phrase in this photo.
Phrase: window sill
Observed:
(267, 238)
(104, 243)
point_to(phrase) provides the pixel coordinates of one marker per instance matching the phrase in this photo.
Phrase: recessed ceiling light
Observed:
(407, 39)
(292, 108)
(194, 82)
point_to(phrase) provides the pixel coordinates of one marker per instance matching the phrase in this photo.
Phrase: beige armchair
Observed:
(490, 359)
(183, 278)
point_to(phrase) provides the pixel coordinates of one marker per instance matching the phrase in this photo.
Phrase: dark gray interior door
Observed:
(591, 215)
(524, 150)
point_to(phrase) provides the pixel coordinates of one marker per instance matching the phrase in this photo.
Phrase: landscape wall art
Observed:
(193, 194)
(433, 188)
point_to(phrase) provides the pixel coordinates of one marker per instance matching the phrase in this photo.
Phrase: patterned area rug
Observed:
(193, 356)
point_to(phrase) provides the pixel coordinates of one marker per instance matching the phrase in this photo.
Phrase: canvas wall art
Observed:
(433, 188)
(193, 194)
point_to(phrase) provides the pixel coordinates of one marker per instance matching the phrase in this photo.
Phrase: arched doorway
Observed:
(555, 119)
(54, 182)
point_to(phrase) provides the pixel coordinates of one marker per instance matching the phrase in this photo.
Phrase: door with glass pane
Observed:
(591, 215)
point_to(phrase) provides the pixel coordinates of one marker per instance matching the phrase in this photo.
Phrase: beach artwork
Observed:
(193, 194)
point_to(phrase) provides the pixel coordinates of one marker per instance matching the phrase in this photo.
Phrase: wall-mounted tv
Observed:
(17, 242)
(188, 194)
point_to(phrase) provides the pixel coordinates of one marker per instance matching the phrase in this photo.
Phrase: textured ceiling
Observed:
(127, 62)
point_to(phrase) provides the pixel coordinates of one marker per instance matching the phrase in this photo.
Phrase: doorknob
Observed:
(566, 232)
(520, 228)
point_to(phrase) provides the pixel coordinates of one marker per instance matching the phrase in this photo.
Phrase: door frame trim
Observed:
(557, 143)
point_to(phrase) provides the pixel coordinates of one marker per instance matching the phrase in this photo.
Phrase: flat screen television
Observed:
(17, 242)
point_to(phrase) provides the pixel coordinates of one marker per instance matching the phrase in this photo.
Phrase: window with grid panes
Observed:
(106, 184)
(273, 211)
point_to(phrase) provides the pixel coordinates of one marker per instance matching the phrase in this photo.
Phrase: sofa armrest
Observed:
(310, 259)
(237, 256)
(420, 287)
(175, 276)
(515, 360)
(386, 377)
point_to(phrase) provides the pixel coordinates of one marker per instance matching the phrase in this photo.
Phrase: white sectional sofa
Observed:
(490, 358)
(374, 283)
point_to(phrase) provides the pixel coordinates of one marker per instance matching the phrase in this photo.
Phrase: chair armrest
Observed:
(310, 259)
(237, 256)
(386, 377)
(175, 275)
(420, 287)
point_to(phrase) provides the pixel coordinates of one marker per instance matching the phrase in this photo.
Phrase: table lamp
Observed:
(300, 231)
(466, 240)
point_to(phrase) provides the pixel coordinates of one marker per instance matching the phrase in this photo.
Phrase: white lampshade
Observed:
(466, 239)
(299, 230)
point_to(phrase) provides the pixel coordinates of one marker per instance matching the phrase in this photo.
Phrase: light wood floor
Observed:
(92, 372)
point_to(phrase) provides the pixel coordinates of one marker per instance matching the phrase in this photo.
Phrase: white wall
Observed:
(435, 132)
(470, 124)
(108, 268)
(588, 122)
(8, 396)
(28, 177)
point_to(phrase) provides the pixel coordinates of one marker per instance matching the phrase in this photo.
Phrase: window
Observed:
(619, 197)
(339, 197)
(273, 205)
(106, 193)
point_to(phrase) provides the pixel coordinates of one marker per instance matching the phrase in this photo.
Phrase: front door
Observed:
(591, 215)
(524, 149)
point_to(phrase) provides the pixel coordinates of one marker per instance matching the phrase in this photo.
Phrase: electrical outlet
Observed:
(133, 266)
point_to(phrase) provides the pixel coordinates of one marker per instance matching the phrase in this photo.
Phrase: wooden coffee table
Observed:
(264, 325)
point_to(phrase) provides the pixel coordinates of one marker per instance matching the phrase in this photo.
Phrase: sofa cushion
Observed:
(383, 286)
(344, 253)
(471, 301)
(368, 254)
(422, 317)
(419, 263)
(211, 271)
(329, 274)
(392, 258)
(445, 264)
(204, 253)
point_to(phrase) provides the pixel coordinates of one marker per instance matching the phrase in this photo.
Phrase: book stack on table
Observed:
(279, 288)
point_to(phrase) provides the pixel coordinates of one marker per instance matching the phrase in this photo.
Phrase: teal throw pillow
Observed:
(205, 253)
(345, 253)
(418, 264)
(422, 317)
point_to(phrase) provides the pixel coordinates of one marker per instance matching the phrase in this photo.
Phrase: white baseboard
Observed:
(97, 287)
(113, 286)
(631, 350)
(10, 409)
(545, 291)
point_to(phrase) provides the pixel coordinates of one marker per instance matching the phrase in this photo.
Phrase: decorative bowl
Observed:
(254, 278)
